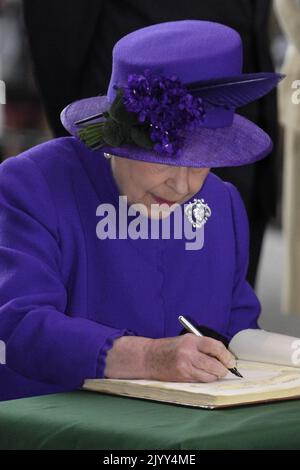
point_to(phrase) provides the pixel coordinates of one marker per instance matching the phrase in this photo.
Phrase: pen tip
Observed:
(236, 372)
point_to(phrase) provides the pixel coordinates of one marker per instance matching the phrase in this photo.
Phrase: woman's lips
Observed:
(163, 201)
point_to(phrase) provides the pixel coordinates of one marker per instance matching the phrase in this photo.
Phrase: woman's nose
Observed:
(179, 181)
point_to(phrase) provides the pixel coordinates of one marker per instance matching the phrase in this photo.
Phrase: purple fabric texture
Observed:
(190, 49)
(242, 143)
(65, 295)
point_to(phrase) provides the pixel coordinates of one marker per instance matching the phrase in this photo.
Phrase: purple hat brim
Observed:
(240, 144)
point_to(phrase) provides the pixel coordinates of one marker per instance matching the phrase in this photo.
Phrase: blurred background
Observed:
(24, 123)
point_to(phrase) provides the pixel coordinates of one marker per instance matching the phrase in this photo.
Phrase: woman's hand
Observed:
(188, 358)
(185, 358)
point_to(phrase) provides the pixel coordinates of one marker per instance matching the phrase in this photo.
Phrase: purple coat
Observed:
(65, 295)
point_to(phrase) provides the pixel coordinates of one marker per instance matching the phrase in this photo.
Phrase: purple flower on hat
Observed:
(165, 106)
(151, 111)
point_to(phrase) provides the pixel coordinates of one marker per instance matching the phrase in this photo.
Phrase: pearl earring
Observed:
(107, 155)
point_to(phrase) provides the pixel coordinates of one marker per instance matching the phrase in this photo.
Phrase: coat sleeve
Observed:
(245, 306)
(44, 342)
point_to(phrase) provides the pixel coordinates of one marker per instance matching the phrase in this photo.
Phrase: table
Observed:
(89, 420)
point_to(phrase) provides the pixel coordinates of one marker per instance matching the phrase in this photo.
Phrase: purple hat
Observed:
(172, 98)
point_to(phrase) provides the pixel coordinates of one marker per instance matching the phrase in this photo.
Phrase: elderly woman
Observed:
(87, 288)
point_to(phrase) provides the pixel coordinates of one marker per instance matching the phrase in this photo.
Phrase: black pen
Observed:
(192, 329)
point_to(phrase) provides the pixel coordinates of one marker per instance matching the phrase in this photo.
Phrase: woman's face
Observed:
(153, 183)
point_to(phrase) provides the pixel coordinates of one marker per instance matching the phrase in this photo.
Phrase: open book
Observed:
(269, 363)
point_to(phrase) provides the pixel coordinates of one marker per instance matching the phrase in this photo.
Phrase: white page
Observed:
(264, 346)
(257, 378)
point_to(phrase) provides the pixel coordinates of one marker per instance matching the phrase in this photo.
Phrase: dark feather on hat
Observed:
(235, 91)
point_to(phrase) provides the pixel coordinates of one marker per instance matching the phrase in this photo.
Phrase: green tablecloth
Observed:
(87, 420)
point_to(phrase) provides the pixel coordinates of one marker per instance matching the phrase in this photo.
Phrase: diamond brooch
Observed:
(197, 212)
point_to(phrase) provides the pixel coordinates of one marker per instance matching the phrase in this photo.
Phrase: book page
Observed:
(257, 378)
(264, 346)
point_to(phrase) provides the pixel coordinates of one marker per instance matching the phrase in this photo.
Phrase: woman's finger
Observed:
(216, 349)
(210, 365)
(200, 375)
